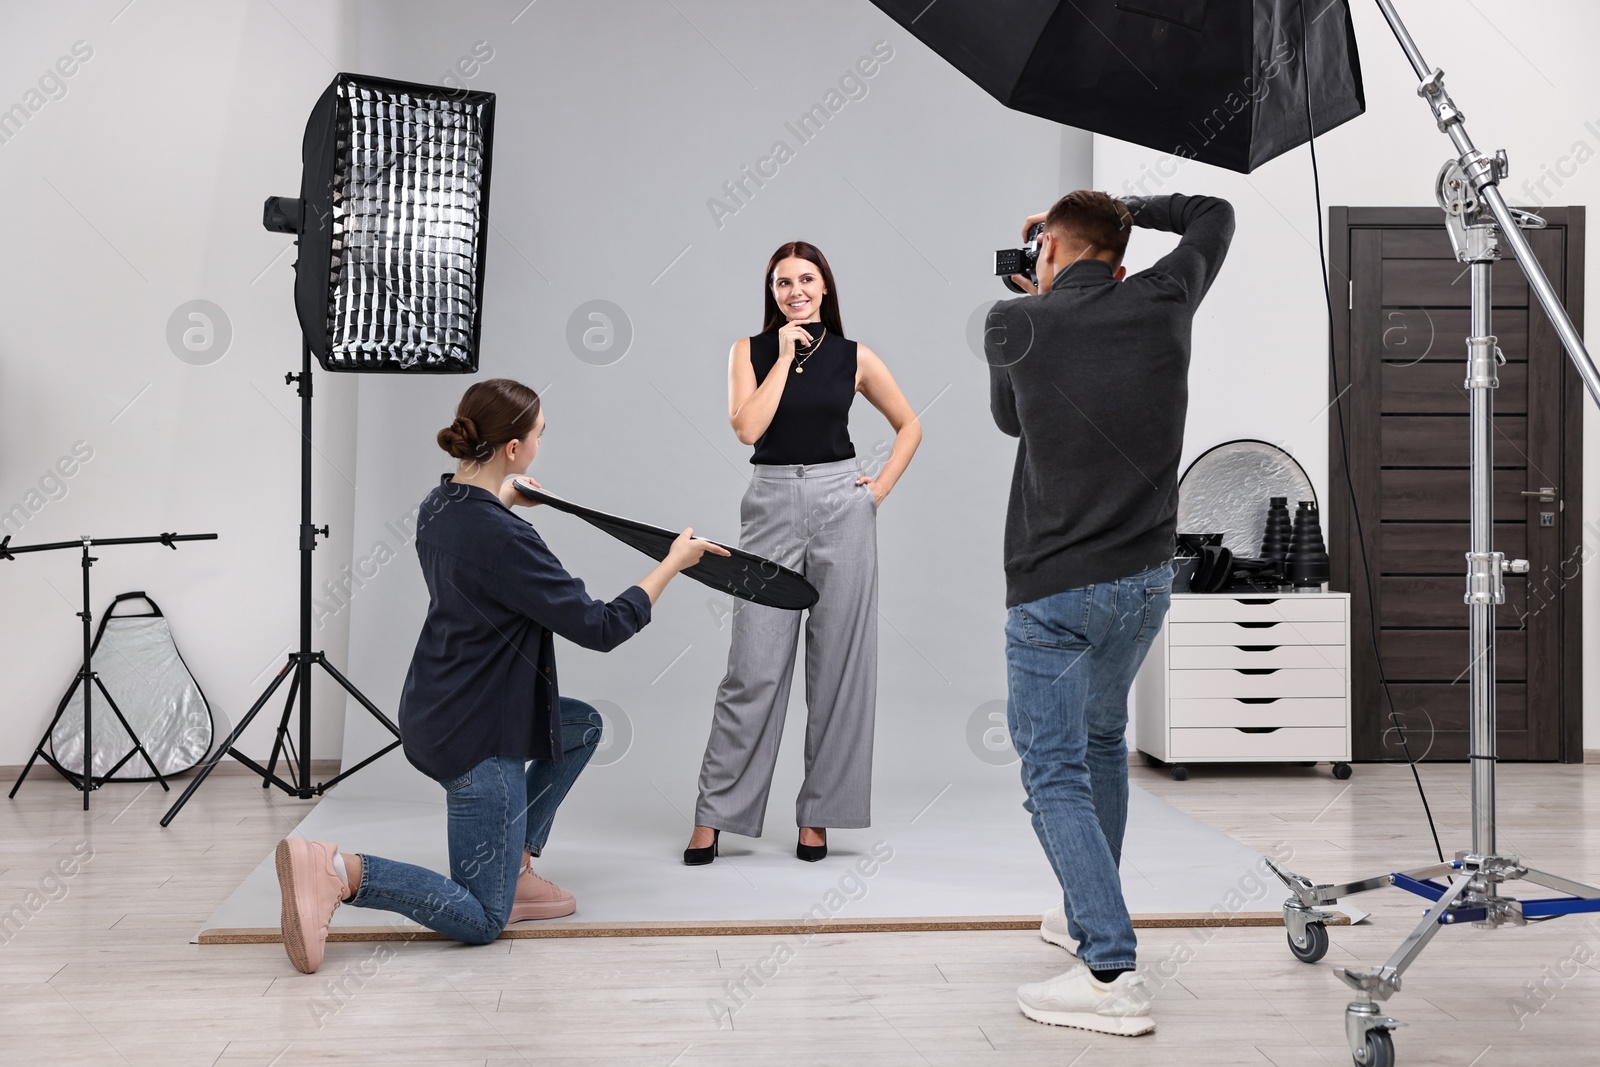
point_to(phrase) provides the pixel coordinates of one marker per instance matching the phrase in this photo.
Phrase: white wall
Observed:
(140, 188)
(136, 191)
(1523, 73)
(603, 193)
(616, 124)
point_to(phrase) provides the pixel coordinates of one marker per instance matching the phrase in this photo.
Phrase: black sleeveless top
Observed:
(812, 423)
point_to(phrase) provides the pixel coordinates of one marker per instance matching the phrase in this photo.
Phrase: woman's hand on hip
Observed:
(879, 492)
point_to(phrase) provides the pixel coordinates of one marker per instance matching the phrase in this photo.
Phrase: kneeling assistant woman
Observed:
(480, 700)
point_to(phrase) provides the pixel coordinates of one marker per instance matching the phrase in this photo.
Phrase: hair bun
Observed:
(491, 413)
(461, 439)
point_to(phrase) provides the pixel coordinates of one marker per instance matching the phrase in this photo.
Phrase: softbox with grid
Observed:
(1226, 82)
(392, 221)
(394, 201)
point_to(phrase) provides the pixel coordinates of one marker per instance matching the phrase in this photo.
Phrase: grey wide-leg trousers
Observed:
(813, 519)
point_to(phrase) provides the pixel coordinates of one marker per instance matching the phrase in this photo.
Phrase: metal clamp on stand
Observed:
(1484, 582)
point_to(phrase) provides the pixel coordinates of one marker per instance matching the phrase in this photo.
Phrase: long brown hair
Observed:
(491, 413)
(773, 315)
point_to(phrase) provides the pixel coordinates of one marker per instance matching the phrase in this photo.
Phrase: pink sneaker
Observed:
(311, 890)
(539, 899)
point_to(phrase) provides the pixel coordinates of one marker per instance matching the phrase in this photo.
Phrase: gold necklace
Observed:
(799, 367)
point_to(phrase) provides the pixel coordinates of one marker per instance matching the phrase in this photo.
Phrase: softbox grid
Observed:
(393, 226)
(407, 207)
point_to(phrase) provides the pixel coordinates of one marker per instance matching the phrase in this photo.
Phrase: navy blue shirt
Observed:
(482, 681)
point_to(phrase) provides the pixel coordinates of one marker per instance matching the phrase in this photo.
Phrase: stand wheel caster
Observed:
(1316, 946)
(1379, 1050)
(1342, 771)
(1180, 773)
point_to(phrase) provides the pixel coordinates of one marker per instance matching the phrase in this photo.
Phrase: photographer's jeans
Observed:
(496, 810)
(1070, 661)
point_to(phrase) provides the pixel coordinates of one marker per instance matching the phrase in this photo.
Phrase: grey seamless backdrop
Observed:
(618, 125)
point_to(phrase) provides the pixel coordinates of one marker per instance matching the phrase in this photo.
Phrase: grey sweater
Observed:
(1092, 377)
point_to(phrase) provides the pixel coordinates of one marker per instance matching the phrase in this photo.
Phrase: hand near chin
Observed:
(792, 335)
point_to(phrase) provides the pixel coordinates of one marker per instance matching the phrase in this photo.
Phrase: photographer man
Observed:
(1090, 372)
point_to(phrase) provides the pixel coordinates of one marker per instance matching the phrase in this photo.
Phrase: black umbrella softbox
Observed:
(1221, 81)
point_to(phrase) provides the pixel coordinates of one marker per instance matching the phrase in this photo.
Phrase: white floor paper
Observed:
(967, 852)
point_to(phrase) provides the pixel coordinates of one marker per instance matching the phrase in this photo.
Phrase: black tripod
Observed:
(299, 663)
(86, 674)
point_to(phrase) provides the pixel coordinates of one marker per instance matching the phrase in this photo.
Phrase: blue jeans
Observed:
(1070, 660)
(496, 810)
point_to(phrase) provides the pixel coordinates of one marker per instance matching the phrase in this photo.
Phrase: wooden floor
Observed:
(100, 968)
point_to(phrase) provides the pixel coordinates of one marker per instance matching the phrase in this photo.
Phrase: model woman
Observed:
(811, 506)
(480, 699)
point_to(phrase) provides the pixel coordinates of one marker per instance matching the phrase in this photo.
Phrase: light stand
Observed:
(391, 225)
(87, 676)
(299, 663)
(1478, 220)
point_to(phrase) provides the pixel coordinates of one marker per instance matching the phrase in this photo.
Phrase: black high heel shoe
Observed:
(810, 853)
(696, 857)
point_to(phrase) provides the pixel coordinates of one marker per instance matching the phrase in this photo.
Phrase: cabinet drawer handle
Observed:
(1256, 625)
(1257, 700)
(1256, 648)
(1256, 600)
(1257, 729)
(1257, 670)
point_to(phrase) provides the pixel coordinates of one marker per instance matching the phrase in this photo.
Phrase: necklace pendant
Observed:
(799, 370)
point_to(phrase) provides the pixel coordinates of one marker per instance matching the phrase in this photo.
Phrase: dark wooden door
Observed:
(1401, 417)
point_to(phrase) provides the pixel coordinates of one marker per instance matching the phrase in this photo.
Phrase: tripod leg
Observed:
(350, 688)
(348, 771)
(1560, 884)
(45, 740)
(138, 745)
(227, 744)
(18, 783)
(1384, 982)
(280, 738)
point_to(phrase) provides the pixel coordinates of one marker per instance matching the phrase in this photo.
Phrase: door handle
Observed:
(1545, 493)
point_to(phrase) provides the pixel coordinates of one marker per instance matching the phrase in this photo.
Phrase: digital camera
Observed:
(1024, 260)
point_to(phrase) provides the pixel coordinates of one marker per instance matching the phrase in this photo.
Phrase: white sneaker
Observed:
(1077, 998)
(1053, 928)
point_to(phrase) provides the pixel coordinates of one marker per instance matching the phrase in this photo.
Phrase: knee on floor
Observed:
(483, 936)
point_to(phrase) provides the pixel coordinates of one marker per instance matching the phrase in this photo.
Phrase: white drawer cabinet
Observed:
(1248, 678)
